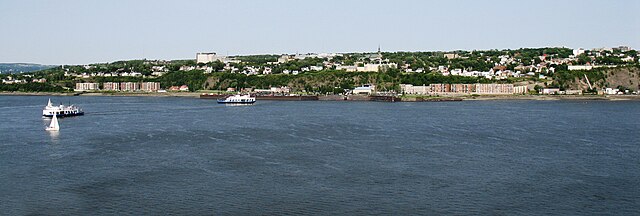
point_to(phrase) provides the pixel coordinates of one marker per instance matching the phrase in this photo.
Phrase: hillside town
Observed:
(494, 71)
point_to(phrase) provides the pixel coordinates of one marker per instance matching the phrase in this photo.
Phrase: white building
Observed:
(209, 57)
(10, 80)
(316, 68)
(365, 89)
(612, 91)
(86, 87)
(187, 68)
(550, 91)
(579, 67)
(157, 73)
(267, 70)
(283, 89)
(159, 69)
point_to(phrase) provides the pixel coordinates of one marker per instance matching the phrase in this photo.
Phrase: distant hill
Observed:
(7, 68)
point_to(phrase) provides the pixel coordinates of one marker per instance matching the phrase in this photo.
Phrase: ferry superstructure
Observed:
(61, 110)
(238, 99)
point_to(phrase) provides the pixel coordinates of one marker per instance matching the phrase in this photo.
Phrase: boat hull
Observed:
(279, 98)
(63, 115)
(235, 102)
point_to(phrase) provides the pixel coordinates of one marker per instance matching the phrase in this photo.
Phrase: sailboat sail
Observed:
(54, 124)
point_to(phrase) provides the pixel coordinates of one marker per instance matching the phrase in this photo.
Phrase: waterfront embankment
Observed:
(349, 97)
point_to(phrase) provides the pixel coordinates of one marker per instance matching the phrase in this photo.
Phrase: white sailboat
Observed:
(54, 124)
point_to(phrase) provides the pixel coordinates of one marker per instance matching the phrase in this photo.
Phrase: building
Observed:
(187, 68)
(10, 80)
(577, 52)
(41, 80)
(364, 89)
(573, 92)
(111, 86)
(550, 91)
(622, 48)
(587, 67)
(612, 91)
(462, 89)
(369, 68)
(520, 89)
(451, 88)
(180, 88)
(129, 86)
(366, 67)
(86, 87)
(285, 59)
(267, 70)
(494, 89)
(376, 67)
(281, 90)
(209, 57)
(157, 73)
(150, 86)
(579, 67)
(451, 55)
(347, 68)
(411, 89)
(315, 68)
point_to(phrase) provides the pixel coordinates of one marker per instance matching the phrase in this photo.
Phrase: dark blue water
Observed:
(145, 155)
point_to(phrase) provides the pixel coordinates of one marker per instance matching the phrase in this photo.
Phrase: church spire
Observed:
(379, 55)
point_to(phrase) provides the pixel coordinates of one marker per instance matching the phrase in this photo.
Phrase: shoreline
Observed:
(104, 94)
(555, 97)
(329, 98)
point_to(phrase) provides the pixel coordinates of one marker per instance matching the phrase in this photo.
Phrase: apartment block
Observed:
(129, 86)
(150, 86)
(86, 87)
(111, 86)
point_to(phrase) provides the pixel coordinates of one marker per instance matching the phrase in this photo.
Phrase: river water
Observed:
(162, 155)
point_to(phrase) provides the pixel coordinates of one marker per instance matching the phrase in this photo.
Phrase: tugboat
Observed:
(238, 99)
(61, 110)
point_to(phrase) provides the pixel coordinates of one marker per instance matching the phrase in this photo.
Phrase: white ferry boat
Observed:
(238, 99)
(61, 110)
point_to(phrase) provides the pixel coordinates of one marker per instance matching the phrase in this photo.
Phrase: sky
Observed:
(93, 31)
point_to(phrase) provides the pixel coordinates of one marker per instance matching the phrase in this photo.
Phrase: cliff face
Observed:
(628, 77)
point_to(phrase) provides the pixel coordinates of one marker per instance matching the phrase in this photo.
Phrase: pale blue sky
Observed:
(91, 31)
